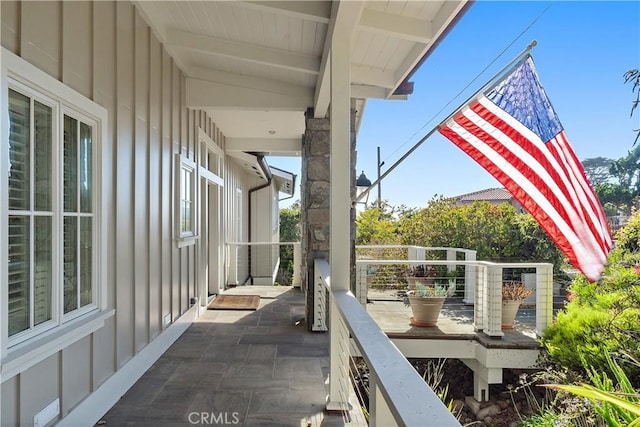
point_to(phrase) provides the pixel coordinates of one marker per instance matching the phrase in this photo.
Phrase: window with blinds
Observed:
(77, 227)
(50, 218)
(30, 222)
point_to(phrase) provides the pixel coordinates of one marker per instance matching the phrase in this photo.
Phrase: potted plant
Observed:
(513, 293)
(420, 274)
(426, 302)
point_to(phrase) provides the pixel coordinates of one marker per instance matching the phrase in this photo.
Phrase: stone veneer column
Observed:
(314, 203)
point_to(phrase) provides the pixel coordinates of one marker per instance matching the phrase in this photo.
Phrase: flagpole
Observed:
(503, 71)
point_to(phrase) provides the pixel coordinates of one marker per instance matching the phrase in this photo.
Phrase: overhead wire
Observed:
(522, 33)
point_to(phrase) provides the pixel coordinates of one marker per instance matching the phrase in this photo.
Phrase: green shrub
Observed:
(580, 330)
(629, 235)
(603, 318)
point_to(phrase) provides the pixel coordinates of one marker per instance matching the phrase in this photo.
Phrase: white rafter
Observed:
(345, 15)
(204, 94)
(371, 92)
(373, 77)
(440, 22)
(403, 27)
(244, 51)
(317, 11)
(272, 146)
(249, 82)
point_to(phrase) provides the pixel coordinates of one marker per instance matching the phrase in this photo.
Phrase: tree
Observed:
(496, 232)
(377, 226)
(618, 186)
(633, 76)
(598, 170)
(289, 232)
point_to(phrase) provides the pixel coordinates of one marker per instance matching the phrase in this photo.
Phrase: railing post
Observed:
(379, 413)
(469, 278)
(338, 399)
(232, 278)
(480, 299)
(297, 265)
(319, 302)
(494, 302)
(544, 297)
(451, 256)
(412, 253)
(362, 286)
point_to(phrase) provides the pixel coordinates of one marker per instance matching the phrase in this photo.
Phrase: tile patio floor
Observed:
(249, 368)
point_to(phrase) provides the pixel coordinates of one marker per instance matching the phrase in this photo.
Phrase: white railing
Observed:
(488, 298)
(398, 395)
(412, 252)
(486, 279)
(262, 264)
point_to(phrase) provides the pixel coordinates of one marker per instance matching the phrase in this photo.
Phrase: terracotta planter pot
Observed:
(509, 312)
(426, 310)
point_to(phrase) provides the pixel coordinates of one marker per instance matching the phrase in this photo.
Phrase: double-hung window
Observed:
(186, 200)
(52, 205)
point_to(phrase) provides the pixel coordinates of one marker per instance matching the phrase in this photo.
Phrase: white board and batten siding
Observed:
(106, 52)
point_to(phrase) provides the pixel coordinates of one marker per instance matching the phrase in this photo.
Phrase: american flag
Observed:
(513, 132)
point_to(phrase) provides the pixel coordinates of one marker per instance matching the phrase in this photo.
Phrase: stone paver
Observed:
(250, 368)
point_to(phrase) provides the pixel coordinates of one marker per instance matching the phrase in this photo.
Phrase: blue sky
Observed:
(583, 50)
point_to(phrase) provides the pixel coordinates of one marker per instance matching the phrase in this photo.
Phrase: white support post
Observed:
(362, 287)
(340, 210)
(469, 278)
(494, 302)
(544, 297)
(379, 412)
(480, 387)
(297, 265)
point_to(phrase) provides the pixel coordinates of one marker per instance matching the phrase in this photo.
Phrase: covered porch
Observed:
(242, 367)
(183, 90)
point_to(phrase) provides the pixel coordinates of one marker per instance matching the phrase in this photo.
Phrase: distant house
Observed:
(495, 196)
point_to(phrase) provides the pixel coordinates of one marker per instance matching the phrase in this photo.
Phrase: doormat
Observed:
(235, 302)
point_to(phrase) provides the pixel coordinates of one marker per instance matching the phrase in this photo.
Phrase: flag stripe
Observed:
(494, 159)
(562, 185)
(473, 148)
(581, 178)
(594, 217)
(530, 198)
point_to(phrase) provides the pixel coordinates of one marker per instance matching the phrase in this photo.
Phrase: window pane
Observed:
(43, 269)
(70, 164)
(70, 267)
(19, 151)
(186, 200)
(86, 259)
(85, 167)
(43, 129)
(19, 274)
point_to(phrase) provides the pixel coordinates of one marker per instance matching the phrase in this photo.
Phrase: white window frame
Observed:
(186, 238)
(26, 348)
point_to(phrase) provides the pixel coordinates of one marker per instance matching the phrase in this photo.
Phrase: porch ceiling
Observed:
(256, 66)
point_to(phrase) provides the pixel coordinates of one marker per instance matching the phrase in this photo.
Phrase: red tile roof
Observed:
(489, 194)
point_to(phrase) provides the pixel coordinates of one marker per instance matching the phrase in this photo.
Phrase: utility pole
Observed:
(379, 185)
